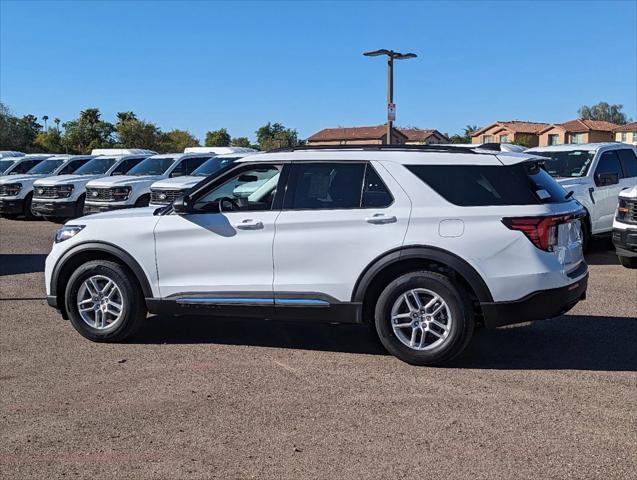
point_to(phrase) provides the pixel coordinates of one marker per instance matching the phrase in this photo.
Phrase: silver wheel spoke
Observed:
(412, 342)
(442, 326)
(402, 325)
(100, 307)
(438, 310)
(432, 302)
(408, 303)
(436, 334)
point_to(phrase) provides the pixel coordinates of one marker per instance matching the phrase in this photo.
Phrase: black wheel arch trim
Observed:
(106, 247)
(421, 252)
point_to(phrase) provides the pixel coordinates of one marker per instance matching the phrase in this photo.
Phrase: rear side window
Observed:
(126, 165)
(629, 162)
(192, 164)
(484, 185)
(330, 186)
(24, 167)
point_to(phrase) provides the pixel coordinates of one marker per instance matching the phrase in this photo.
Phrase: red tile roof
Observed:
(352, 133)
(582, 125)
(420, 134)
(515, 126)
(629, 127)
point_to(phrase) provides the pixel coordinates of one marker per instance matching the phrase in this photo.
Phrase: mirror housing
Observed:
(606, 178)
(182, 205)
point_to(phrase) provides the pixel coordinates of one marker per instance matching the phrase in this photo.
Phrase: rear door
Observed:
(337, 217)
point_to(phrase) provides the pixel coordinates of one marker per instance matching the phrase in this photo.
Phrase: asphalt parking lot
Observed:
(197, 398)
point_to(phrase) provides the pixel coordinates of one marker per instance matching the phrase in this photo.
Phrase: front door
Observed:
(606, 191)
(225, 244)
(336, 219)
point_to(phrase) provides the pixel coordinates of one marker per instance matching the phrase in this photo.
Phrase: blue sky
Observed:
(203, 65)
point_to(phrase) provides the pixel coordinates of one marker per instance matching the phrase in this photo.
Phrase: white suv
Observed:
(133, 189)
(16, 191)
(424, 242)
(625, 228)
(595, 173)
(166, 191)
(63, 196)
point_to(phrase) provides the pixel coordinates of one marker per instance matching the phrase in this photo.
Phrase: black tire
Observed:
(142, 201)
(134, 307)
(457, 300)
(586, 234)
(28, 214)
(628, 262)
(79, 206)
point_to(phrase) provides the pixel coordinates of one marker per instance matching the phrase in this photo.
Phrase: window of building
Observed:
(554, 139)
(624, 137)
(487, 138)
(577, 138)
(504, 139)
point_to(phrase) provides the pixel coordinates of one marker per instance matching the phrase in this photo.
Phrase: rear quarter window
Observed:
(485, 185)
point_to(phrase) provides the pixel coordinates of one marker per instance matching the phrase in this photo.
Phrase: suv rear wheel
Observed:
(423, 318)
(104, 302)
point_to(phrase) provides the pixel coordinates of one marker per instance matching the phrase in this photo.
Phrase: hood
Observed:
(629, 192)
(178, 182)
(66, 179)
(125, 180)
(125, 213)
(20, 178)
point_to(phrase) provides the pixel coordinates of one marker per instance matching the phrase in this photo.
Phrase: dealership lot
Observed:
(197, 398)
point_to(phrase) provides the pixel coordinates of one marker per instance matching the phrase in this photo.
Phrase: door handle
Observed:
(249, 224)
(381, 219)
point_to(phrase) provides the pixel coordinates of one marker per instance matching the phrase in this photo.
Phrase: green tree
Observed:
(176, 141)
(240, 142)
(524, 141)
(49, 141)
(604, 111)
(217, 138)
(57, 123)
(275, 135)
(45, 118)
(17, 133)
(138, 134)
(87, 132)
(123, 117)
(467, 131)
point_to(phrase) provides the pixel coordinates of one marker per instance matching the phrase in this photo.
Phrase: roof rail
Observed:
(417, 148)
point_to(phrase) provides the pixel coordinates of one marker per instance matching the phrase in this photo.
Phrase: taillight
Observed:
(542, 231)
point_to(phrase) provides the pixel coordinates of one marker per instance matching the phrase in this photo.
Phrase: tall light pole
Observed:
(391, 56)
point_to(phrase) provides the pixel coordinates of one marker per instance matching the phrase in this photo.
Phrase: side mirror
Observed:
(182, 205)
(606, 178)
(176, 173)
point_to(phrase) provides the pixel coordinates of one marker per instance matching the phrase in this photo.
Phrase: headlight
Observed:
(65, 191)
(12, 189)
(120, 193)
(67, 232)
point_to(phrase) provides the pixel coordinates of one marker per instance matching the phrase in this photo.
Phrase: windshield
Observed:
(152, 166)
(569, 163)
(5, 164)
(213, 165)
(47, 166)
(96, 166)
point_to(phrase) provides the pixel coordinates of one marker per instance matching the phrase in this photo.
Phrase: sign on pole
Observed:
(391, 112)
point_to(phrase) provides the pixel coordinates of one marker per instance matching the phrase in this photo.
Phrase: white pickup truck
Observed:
(625, 228)
(595, 173)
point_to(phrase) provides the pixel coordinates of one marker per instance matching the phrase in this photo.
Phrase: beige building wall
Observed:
(630, 137)
(544, 137)
(496, 132)
(595, 137)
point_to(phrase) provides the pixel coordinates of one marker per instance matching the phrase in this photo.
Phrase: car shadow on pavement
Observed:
(571, 342)
(602, 252)
(16, 263)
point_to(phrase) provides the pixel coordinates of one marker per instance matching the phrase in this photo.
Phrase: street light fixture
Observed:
(391, 56)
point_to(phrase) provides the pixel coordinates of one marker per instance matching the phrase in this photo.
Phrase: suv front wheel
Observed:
(423, 318)
(104, 302)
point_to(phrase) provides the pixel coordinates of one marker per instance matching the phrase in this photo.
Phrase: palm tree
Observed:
(57, 124)
(45, 118)
(90, 116)
(123, 117)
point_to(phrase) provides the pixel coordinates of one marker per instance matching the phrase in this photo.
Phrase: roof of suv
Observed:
(399, 154)
(578, 146)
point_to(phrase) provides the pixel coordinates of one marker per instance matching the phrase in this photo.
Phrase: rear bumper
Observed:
(539, 305)
(625, 241)
(53, 209)
(11, 207)
(102, 207)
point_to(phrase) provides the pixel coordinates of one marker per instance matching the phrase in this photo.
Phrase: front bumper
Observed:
(539, 305)
(625, 242)
(47, 208)
(12, 207)
(103, 207)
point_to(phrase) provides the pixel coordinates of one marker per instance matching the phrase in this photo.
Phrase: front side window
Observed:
(5, 164)
(152, 166)
(250, 189)
(71, 166)
(609, 164)
(96, 166)
(628, 161)
(564, 164)
(478, 185)
(45, 167)
(125, 165)
(214, 165)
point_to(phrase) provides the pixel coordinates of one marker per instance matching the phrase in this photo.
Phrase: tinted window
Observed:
(46, 166)
(95, 166)
(5, 164)
(126, 165)
(152, 166)
(570, 163)
(476, 185)
(214, 165)
(194, 163)
(252, 188)
(324, 186)
(629, 162)
(71, 166)
(24, 167)
(609, 163)
(375, 193)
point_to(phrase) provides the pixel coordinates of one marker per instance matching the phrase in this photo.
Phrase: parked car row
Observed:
(68, 186)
